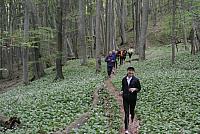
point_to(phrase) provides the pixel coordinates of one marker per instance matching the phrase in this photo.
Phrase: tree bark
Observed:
(98, 40)
(154, 7)
(25, 49)
(137, 27)
(122, 25)
(183, 24)
(59, 73)
(9, 47)
(1, 63)
(108, 25)
(112, 25)
(143, 35)
(37, 65)
(1, 44)
(83, 47)
(133, 19)
(195, 37)
(173, 31)
(10, 62)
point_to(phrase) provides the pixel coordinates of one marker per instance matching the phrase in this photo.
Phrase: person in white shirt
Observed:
(130, 87)
(130, 52)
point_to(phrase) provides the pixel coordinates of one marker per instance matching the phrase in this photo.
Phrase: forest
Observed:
(53, 74)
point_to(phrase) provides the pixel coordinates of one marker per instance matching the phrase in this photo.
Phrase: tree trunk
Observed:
(10, 62)
(67, 48)
(173, 31)
(98, 40)
(83, 47)
(112, 25)
(137, 27)
(1, 63)
(59, 73)
(195, 40)
(1, 44)
(183, 24)
(197, 20)
(10, 48)
(37, 65)
(122, 25)
(143, 35)
(154, 7)
(25, 49)
(133, 19)
(108, 25)
(103, 29)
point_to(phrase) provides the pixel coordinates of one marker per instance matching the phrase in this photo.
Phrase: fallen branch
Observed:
(9, 123)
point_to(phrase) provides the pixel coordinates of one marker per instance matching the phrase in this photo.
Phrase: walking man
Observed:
(130, 88)
(130, 52)
(121, 57)
(114, 55)
(110, 60)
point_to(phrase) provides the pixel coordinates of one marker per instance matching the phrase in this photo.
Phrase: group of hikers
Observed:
(117, 56)
(130, 84)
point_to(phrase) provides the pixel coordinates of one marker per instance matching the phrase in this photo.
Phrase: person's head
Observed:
(110, 52)
(113, 51)
(130, 71)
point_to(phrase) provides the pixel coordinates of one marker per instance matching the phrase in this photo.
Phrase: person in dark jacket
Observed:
(121, 56)
(118, 54)
(124, 55)
(110, 60)
(114, 55)
(130, 87)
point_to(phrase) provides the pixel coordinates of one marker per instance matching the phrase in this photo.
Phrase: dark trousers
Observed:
(121, 60)
(130, 55)
(129, 107)
(109, 70)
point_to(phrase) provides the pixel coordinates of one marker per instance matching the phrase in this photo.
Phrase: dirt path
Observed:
(133, 127)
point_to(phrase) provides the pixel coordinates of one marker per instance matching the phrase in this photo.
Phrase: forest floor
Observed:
(112, 90)
(156, 74)
(83, 118)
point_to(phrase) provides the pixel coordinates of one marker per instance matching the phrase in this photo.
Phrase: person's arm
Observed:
(122, 89)
(137, 87)
(106, 59)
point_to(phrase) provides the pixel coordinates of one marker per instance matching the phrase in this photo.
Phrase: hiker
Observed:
(114, 57)
(109, 59)
(130, 88)
(118, 55)
(124, 55)
(121, 57)
(116, 52)
(130, 52)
